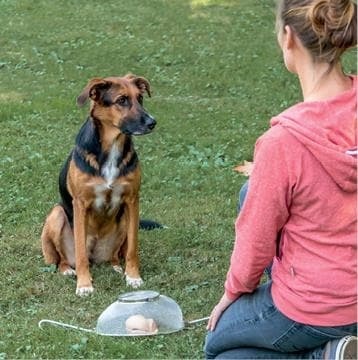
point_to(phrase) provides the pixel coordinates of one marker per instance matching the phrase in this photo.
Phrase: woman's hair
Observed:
(326, 28)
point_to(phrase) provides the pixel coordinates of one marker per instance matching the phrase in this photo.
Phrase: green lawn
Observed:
(217, 78)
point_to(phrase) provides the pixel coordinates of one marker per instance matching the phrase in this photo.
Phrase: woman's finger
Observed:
(215, 314)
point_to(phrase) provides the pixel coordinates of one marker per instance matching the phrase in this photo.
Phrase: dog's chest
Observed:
(107, 199)
(108, 193)
(110, 169)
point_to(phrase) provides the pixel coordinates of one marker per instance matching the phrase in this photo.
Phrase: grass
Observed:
(217, 78)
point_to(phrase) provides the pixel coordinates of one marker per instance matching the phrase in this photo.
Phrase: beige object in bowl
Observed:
(164, 312)
(138, 324)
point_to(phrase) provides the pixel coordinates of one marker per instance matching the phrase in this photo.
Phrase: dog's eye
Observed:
(140, 99)
(122, 100)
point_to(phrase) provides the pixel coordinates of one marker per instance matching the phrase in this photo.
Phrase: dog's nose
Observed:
(151, 122)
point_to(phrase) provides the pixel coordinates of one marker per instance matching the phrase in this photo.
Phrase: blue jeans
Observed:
(253, 328)
(242, 195)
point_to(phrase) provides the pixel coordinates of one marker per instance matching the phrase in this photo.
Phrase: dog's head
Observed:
(118, 102)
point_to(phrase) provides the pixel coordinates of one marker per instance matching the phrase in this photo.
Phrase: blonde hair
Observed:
(326, 28)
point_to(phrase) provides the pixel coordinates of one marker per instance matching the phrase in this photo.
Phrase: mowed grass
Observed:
(217, 78)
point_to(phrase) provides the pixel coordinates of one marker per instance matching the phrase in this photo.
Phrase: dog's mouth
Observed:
(137, 131)
(145, 132)
(142, 127)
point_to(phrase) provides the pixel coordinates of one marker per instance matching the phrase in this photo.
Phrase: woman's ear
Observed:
(288, 46)
(288, 37)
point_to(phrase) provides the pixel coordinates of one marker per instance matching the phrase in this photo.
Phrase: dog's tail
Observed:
(145, 224)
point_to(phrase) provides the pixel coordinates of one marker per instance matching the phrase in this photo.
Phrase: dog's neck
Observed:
(112, 140)
(121, 159)
(97, 148)
(109, 135)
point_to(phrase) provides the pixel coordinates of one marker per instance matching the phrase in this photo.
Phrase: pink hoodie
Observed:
(303, 187)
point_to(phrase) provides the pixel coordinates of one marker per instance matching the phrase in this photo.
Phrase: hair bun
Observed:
(334, 22)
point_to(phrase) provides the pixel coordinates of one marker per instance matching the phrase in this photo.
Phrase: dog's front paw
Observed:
(84, 290)
(65, 269)
(134, 282)
(69, 272)
(118, 269)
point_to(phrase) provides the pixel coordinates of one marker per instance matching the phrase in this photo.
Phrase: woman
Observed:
(299, 214)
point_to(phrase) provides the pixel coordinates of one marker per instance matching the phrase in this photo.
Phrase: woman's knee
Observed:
(223, 337)
(217, 341)
(209, 349)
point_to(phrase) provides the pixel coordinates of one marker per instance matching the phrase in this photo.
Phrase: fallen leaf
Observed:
(245, 168)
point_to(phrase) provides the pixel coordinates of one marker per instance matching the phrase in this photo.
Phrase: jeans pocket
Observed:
(303, 337)
(299, 337)
(335, 332)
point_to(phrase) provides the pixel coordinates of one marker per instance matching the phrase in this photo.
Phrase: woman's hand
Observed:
(217, 311)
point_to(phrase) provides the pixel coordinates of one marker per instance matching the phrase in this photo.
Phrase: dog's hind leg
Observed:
(57, 241)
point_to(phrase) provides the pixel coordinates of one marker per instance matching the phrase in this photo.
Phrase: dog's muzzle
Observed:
(142, 125)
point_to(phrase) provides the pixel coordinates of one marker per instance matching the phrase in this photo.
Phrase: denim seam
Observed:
(264, 315)
(318, 333)
(294, 328)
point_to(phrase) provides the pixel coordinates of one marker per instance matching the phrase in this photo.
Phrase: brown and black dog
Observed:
(98, 217)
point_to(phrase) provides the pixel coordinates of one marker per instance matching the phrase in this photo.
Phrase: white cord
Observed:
(197, 321)
(63, 325)
(68, 326)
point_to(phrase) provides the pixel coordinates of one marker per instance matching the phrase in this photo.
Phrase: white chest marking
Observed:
(110, 169)
(107, 195)
(108, 199)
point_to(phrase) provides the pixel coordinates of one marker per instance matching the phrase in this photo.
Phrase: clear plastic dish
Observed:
(140, 313)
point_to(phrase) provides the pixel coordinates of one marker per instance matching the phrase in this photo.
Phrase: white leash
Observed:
(93, 331)
(192, 322)
(63, 325)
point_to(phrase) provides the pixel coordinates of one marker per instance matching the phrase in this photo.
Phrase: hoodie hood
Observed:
(328, 129)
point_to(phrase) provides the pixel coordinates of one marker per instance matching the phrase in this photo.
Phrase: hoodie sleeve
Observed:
(264, 213)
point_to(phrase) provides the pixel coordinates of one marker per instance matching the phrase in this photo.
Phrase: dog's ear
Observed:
(93, 90)
(141, 83)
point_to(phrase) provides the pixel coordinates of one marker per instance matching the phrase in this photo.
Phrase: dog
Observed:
(97, 219)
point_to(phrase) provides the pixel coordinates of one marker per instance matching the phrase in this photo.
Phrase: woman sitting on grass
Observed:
(299, 216)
